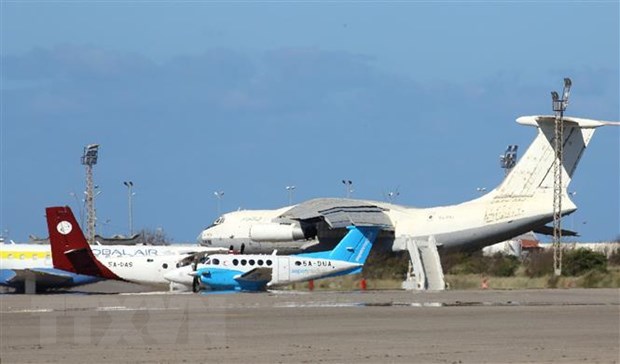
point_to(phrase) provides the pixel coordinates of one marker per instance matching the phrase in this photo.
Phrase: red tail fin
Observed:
(70, 250)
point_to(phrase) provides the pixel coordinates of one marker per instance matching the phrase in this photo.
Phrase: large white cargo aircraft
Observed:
(522, 202)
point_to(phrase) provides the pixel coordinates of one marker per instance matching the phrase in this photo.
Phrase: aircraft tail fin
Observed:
(534, 171)
(70, 250)
(356, 245)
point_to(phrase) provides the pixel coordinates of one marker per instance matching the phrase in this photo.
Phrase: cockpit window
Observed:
(219, 220)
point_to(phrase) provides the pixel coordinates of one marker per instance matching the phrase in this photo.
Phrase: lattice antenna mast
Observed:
(559, 106)
(89, 159)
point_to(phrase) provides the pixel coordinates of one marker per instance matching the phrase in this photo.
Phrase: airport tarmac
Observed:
(528, 326)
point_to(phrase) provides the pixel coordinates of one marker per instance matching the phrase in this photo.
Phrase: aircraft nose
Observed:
(180, 275)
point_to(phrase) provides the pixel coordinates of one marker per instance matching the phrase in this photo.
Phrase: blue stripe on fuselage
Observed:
(223, 279)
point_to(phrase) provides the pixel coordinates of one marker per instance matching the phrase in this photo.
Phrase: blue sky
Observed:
(187, 98)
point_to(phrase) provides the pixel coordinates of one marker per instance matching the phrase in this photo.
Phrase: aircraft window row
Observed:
(252, 262)
(23, 256)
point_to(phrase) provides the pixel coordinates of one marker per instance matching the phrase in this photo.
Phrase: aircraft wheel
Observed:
(195, 285)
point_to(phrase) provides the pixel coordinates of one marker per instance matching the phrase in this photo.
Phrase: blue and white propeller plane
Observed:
(257, 272)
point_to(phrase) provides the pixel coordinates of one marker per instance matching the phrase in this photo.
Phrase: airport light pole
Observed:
(80, 206)
(559, 106)
(130, 194)
(572, 216)
(347, 186)
(218, 195)
(290, 190)
(104, 227)
(97, 193)
(392, 195)
(89, 159)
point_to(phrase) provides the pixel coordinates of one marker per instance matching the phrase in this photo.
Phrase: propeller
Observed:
(192, 259)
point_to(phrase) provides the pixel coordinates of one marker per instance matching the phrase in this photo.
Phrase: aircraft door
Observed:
(283, 269)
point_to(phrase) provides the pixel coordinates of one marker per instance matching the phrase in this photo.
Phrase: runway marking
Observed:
(318, 304)
(123, 308)
(99, 309)
(430, 304)
(155, 293)
(35, 310)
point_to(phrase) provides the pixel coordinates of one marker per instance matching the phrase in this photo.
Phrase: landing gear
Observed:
(195, 285)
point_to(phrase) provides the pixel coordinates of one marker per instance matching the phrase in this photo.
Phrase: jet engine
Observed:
(276, 232)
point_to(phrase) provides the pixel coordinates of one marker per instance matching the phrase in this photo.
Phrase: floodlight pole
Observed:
(392, 195)
(347, 185)
(559, 106)
(219, 195)
(130, 194)
(79, 206)
(89, 159)
(290, 190)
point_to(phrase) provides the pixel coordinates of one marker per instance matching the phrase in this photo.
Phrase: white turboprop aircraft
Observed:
(138, 264)
(29, 268)
(258, 272)
(522, 202)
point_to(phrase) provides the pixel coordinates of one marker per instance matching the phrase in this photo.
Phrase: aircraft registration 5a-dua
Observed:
(255, 272)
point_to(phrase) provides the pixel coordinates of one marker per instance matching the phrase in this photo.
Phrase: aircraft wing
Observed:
(262, 274)
(340, 213)
(47, 277)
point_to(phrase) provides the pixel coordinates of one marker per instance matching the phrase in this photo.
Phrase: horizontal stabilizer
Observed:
(581, 122)
(548, 230)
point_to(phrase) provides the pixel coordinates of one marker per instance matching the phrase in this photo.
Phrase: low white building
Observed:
(605, 247)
